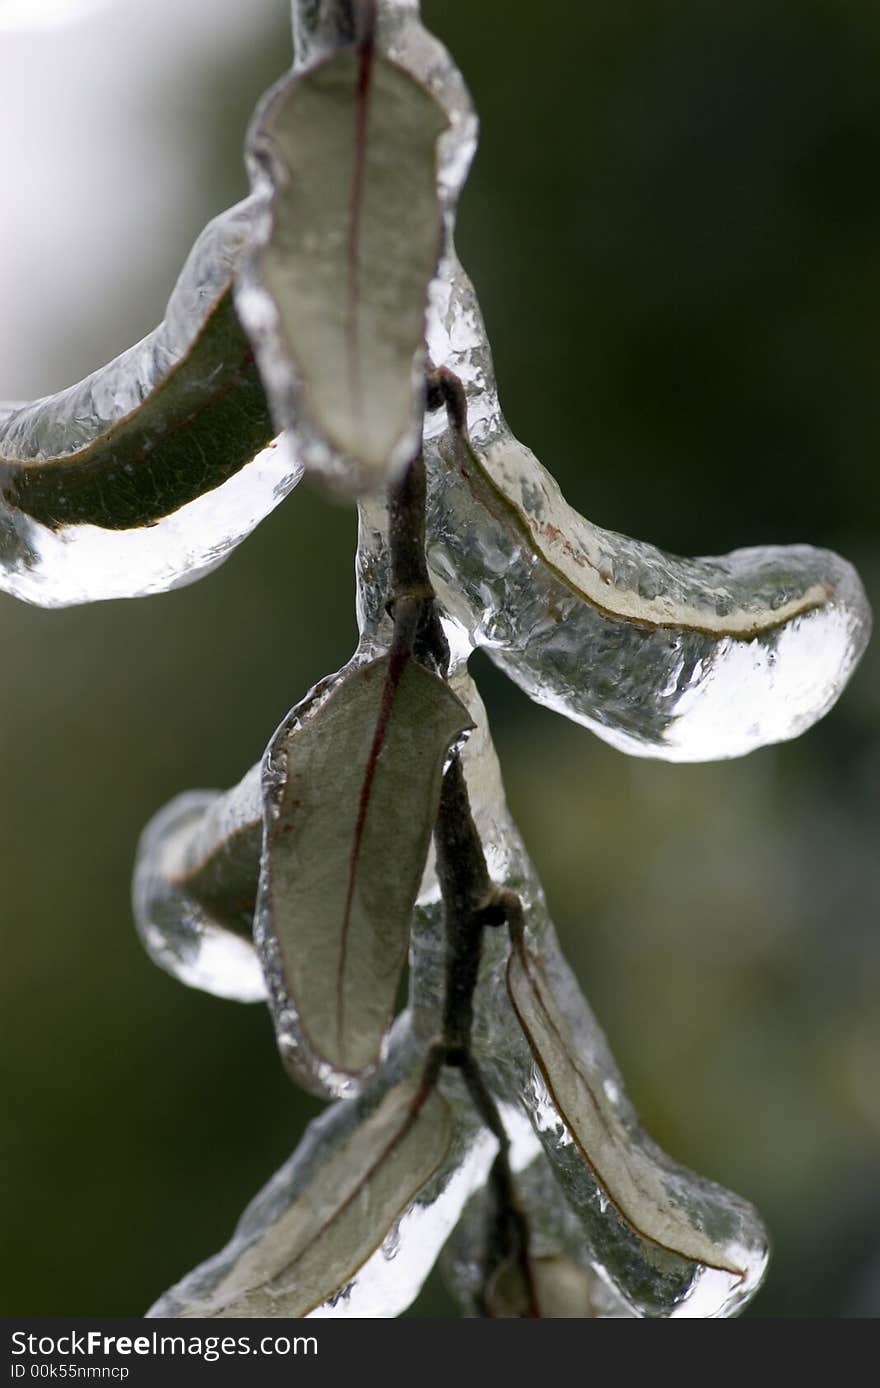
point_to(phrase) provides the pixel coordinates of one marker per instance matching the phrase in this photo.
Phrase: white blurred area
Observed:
(45, 14)
(106, 114)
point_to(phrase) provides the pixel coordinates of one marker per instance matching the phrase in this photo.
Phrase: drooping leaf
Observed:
(134, 448)
(352, 785)
(683, 659)
(335, 298)
(660, 1202)
(309, 1233)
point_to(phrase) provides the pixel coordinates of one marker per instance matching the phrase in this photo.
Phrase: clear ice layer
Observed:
(195, 883)
(337, 1232)
(682, 659)
(57, 565)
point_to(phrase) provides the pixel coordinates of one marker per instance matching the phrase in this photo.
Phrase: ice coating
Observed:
(319, 31)
(567, 1283)
(49, 553)
(682, 659)
(194, 887)
(288, 1243)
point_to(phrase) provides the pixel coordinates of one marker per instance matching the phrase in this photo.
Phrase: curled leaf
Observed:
(683, 659)
(686, 1232)
(345, 160)
(150, 471)
(306, 1242)
(352, 785)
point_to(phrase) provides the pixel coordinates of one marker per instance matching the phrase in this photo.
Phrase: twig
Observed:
(471, 901)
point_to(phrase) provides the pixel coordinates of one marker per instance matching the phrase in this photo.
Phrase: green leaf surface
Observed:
(628, 1168)
(355, 235)
(345, 849)
(339, 1215)
(173, 418)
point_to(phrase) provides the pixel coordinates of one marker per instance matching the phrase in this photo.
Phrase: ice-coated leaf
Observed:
(376, 1180)
(148, 472)
(682, 659)
(647, 1191)
(335, 296)
(195, 887)
(352, 784)
(671, 1242)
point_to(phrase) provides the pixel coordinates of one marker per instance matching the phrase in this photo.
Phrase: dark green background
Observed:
(673, 223)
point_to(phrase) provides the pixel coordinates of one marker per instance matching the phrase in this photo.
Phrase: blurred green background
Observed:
(673, 225)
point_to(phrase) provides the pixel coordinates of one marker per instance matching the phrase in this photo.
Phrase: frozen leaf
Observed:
(195, 886)
(148, 472)
(663, 1204)
(683, 659)
(353, 1222)
(335, 296)
(352, 784)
